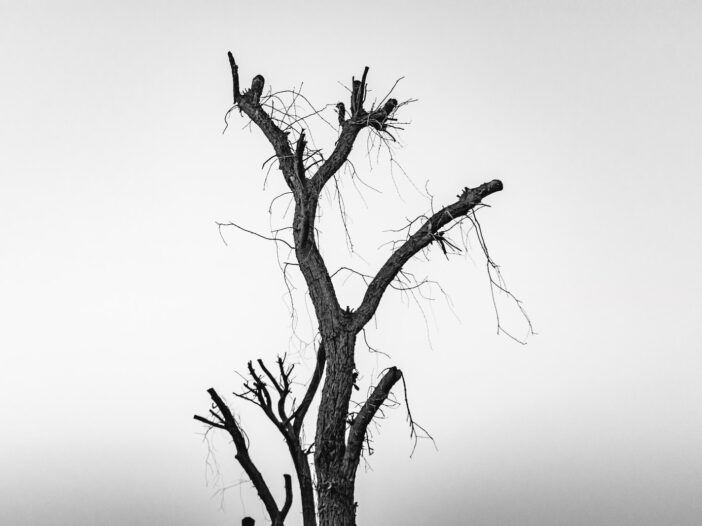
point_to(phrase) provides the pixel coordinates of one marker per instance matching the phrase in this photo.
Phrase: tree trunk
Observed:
(335, 484)
(336, 457)
(336, 504)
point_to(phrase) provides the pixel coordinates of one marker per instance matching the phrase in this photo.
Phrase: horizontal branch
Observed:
(276, 239)
(428, 232)
(208, 422)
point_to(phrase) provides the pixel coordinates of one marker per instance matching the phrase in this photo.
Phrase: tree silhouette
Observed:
(328, 498)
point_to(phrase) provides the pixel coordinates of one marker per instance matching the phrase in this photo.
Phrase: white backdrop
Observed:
(120, 304)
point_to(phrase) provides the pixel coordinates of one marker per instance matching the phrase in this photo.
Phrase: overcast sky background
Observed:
(120, 304)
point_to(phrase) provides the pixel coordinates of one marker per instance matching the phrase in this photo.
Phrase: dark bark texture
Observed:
(339, 440)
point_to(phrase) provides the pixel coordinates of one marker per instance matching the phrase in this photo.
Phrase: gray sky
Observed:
(121, 305)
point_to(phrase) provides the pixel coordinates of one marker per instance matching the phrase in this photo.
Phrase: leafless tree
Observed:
(341, 428)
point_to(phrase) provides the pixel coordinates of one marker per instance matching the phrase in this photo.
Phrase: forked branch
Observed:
(311, 262)
(228, 422)
(288, 421)
(359, 118)
(250, 103)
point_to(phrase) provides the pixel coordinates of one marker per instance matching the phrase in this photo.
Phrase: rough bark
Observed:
(336, 451)
(427, 233)
(359, 426)
(335, 498)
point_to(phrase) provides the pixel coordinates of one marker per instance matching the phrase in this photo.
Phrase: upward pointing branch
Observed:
(301, 411)
(235, 77)
(359, 427)
(311, 263)
(358, 119)
(250, 103)
(467, 200)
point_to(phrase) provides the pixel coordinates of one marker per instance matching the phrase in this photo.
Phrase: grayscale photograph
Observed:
(351, 263)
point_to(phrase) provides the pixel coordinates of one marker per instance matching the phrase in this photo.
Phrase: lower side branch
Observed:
(358, 430)
(226, 421)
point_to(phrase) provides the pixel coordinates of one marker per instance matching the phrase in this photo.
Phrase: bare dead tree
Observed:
(341, 433)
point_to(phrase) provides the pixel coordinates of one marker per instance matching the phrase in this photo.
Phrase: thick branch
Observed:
(311, 262)
(301, 411)
(314, 270)
(249, 103)
(242, 453)
(288, 497)
(344, 145)
(300, 155)
(235, 77)
(467, 200)
(358, 119)
(283, 423)
(359, 427)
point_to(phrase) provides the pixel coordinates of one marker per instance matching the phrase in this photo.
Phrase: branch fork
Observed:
(340, 436)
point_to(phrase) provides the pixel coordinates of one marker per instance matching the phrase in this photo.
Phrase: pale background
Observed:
(120, 304)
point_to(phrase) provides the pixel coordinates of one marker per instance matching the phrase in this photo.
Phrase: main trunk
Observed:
(337, 507)
(335, 483)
